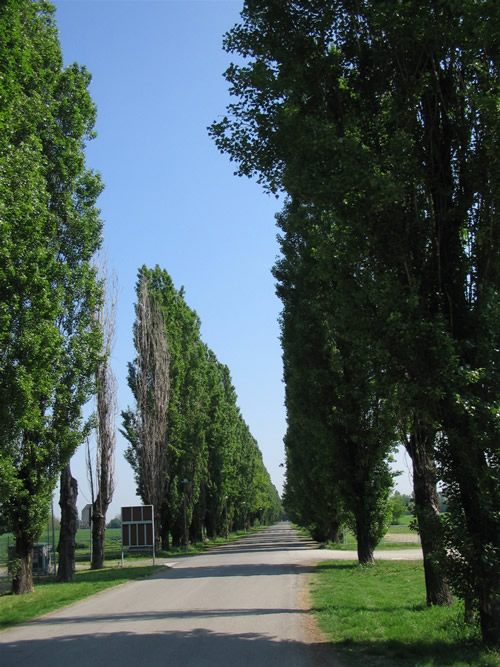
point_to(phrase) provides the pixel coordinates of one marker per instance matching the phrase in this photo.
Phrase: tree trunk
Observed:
(165, 536)
(420, 446)
(158, 526)
(177, 535)
(478, 493)
(69, 517)
(22, 581)
(211, 524)
(365, 544)
(334, 532)
(98, 537)
(489, 615)
(196, 528)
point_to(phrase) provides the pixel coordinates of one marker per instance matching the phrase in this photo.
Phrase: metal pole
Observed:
(153, 528)
(53, 537)
(185, 523)
(184, 481)
(227, 525)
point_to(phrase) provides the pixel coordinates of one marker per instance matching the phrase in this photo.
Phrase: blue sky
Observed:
(171, 198)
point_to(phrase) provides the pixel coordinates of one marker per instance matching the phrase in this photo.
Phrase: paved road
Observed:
(241, 604)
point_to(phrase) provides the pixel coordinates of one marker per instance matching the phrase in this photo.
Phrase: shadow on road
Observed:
(245, 545)
(236, 570)
(275, 538)
(142, 616)
(197, 648)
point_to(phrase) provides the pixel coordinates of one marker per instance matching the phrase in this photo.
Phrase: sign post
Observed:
(138, 528)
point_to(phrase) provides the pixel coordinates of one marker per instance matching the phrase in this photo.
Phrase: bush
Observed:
(398, 506)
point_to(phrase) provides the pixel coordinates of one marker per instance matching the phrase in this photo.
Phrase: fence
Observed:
(112, 551)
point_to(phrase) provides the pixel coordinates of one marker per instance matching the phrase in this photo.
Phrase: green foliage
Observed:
(399, 506)
(207, 441)
(382, 124)
(50, 230)
(340, 426)
(115, 522)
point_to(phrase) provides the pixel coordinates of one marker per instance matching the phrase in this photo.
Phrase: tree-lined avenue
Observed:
(239, 604)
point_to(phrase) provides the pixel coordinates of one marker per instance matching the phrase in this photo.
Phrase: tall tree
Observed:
(336, 396)
(149, 380)
(107, 409)
(383, 114)
(50, 230)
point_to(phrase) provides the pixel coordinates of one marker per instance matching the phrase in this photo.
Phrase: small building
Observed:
(85, 516)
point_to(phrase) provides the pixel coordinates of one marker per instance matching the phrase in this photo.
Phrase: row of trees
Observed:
(380, 122)
(57, 328)
(188, 442)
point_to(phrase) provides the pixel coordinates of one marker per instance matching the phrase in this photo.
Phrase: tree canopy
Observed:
(199, 433)
(50, 229)
(383, 118)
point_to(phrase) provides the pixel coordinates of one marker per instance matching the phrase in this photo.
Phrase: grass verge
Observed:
(377, 616)
(50, 595)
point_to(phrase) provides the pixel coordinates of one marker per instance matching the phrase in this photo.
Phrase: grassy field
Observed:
(377, 616)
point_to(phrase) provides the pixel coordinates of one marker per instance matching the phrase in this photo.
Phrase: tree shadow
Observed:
(196, 648)
(269, 540)
(235, 570)
(409, 654)
(162, 614)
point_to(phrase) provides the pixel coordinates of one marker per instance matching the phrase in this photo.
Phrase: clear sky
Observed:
(171, 198)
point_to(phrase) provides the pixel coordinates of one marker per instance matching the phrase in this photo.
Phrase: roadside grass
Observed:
(377, 616)
(50, 595)
(349, 542)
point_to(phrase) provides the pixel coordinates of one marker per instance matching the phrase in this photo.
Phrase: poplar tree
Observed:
(150, 381)
(107, 409)
(198, 433)
(50, 229)
(385, 116)
(338, 404)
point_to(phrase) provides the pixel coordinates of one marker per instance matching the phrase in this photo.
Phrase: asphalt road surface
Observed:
(240, 604)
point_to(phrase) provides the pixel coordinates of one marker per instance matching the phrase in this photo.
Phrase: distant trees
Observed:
(115, 522)
(50, 229)
(187, 410)
(381, 120)
(399, 506)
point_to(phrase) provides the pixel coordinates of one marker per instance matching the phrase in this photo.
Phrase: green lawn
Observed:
(405, 519)
(378, 616)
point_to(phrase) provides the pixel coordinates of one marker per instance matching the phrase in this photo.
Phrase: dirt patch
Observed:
(323, 651)
(411, 538)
